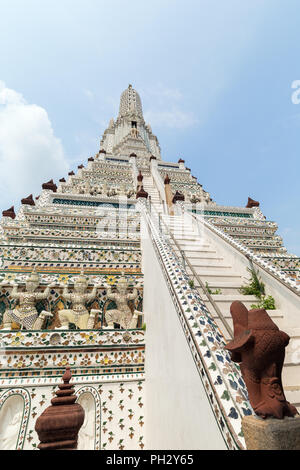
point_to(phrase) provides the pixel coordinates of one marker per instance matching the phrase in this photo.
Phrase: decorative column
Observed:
(58, 426)
(169, 195)
(140, 181)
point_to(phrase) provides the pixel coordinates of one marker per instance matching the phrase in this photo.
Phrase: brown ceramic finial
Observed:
(132, 155)
(140, 177)
(62, 180)
(153, 157)
(71, 173)
(251, 203)
(167, 180)
(102, 151)
(9, 213)
(181, 161)
(259, 346)
(58, 426)
(80, 167)
(141, 193)
(50, 185)
(178, 197)
(28, 200)
(91, 159)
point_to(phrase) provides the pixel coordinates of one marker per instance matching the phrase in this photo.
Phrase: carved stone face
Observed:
(122, 290)
(31, 286)
(80, 287)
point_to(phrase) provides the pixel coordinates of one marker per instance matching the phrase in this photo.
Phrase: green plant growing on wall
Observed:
(267, 303)
(212, 292)
(257, 287)
(191, 283)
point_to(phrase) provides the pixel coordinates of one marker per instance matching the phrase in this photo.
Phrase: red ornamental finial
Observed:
(50, 185)
(9, 213)
(251, 203)
(28, 200)
(141, 193)
(58, 426)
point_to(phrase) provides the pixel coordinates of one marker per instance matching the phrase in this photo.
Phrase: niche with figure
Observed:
(11, 415)
(86, 436)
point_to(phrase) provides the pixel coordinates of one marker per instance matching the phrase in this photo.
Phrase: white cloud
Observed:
(89, 94)
(175, 118)
(165, 108)
(30, 154)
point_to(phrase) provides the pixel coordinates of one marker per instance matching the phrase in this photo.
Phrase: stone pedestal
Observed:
(271, 433)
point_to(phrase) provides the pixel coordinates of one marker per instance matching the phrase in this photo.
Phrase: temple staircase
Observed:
(150, 188)
(207, 266)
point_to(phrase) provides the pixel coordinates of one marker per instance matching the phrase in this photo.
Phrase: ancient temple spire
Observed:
(130, 103)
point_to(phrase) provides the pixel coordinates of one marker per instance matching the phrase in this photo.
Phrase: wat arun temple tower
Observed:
(125, 271)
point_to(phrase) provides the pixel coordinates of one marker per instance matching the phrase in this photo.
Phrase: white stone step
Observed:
(291, 375)
(292, 394)
(216, 277)
(202, 256)
(202, 251)
(227, 287)
(193, 244)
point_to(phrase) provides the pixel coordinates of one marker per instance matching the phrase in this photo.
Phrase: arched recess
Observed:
(14, 415)
(89, 437)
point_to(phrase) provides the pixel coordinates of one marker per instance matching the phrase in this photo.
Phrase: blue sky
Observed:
(214, 76)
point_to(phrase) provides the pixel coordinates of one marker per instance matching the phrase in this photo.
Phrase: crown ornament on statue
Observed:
(122, 282)
(33, 277)
(81, 278)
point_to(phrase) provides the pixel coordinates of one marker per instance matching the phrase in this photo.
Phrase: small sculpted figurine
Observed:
(122, 315)
(79, 314)
(26, 314)
(259, 347)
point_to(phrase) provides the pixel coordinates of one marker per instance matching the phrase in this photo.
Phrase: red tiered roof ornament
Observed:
(141, 193)
(178, 197)
(28, 201)
(9, 213)
(251, 203)
(167, 180)
(50, 185)
(58, 426)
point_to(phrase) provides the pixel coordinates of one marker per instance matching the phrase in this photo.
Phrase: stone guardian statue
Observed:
(259, 347)
(26, 313)
(122, 315)
(78, 314)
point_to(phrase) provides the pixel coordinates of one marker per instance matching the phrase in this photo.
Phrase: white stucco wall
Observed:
(178, 413)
